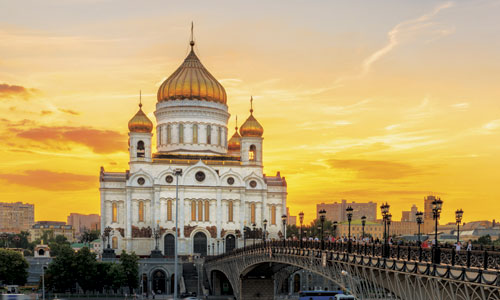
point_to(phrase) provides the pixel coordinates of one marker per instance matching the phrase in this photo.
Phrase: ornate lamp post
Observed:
(363, 223)
(458, 217)
(283, 220)
(349, 219)
(217, 247)
(301, 219)
(264, 234)
(213, 248)
(437, 204)
(254, 233)
(156, 253)
(385, 211)
(322, 218)
(420, 220)
(389, 219)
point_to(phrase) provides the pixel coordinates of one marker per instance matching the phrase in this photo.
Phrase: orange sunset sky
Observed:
(360, 100)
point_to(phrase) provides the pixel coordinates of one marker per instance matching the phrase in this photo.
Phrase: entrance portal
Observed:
(159, 278)
(200, 243)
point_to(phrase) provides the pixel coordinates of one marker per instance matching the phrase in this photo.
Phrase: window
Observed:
(169, 210)
(181, 134)
(252, 213)
(193, 211)
(252, 153)
(230, 211)
(140, 149)
(114, 242)
(141, 211)
(219, 136)
(207, 210)
(200, 211)
(195, 134)
(169, 134)
(273, 215)
(209, 134)
(114, 213)
(159, 135)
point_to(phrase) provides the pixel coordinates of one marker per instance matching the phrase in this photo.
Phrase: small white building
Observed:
(222, 188)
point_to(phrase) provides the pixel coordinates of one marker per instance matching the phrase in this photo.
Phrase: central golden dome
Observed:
(192, 81)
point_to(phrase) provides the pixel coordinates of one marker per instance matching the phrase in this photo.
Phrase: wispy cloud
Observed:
(491, 126)
(10, 91)
(50, 180)
(461, 106)
(376, 169)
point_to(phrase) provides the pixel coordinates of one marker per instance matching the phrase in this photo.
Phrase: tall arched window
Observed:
(193, 210)
(230, 211)
(114, 242)
(219, 135)
(141, 211)
(209, 134)
(273, 215)
(181, 133)
(114, 213)
(169, 134)
(200, 210)
(159, 135)
(140, 149)
(195, 134)
(252, 153)
(252, 213)
(207, 210)
(169, 210)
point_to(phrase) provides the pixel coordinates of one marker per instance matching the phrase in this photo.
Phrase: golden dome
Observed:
(251, 127)
(192, 81)
(140, 122)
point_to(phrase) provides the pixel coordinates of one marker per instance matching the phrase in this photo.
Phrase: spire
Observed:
(140, 99)
(236, 123)
(251, 105)
(192, 36)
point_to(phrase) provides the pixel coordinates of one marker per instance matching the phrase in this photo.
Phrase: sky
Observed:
(359, 100)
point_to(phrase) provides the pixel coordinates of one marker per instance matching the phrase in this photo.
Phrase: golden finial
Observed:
(192, 36)
(140, 99)
(236, 123)
(251, 104)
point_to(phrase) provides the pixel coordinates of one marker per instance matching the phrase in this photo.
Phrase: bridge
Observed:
(367, 271)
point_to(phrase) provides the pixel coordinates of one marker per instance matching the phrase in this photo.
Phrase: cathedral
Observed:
(217, 183)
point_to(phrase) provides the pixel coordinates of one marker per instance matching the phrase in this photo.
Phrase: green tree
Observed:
(484, 240)
(61, 271)
(130, 265)
(89, 235)
(292, 230)
(86, 269)
(13, 267)
(116, 276)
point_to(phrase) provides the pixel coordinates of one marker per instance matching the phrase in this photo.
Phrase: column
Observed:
(155, 206)
(128, 228)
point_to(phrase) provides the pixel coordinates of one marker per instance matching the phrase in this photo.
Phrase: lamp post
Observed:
(420, 220)
(322, 217)
(384, 208)
(213, 248)
(389, 219)
(301, 219)
(458, 217)
(177, 173)
(217, 247)
(363, 223)
(283, 220)
(437, 205)
(156, 234)
(349, 219)
(334, 227)
(264, 233)
(253, 232)
(107, 232)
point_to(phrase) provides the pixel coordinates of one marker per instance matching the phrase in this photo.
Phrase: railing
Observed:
(483, 259)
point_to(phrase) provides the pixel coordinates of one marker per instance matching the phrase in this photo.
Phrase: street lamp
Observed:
(389, 218)
(264, 235)
(177, 173)
(458, 217)
(384, 208)
(420, 220)
(107, 231)
(301, 219)
(363, 223)
(322, 217)
(283, 220)
(253, 232)
(217, 247)
(349, 219)
(437, 205)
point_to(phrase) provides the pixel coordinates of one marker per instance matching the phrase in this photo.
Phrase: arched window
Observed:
(252, 213)
(273, 215)
(195, 134)
(209, 134)
(169, 210)
(193, 210)
(114, 213)
(114, 242)
(140, 149)
(207, 210)
(252, 153)
(141, 211)
(181, 134)
(159, 135)
(230, 211)
(219, 136)
(200, 210)
(169, 134)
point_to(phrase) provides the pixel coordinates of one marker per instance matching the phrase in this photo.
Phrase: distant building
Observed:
(37, 230)
(82, 222)
(428, 207)
(373, 229)
(410, 216)
(16, 217)
(291, 220)
(336, 211)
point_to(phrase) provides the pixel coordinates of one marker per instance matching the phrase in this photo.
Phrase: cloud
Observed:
(492, 125)
(376, 169)
(51, 181)
(461, 106)
(10, 91)
(100, 141)
(46, 112)
(69, 111)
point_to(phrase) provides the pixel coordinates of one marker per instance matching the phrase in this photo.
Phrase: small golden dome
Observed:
(234, 142)
(251, 127)
(192, 81)
(140, 122)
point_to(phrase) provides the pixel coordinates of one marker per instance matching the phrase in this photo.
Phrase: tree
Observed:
(484, 240)
(89, 236)
(86, 269)
(130, 265)
(13, 267)
(116, 276)
(61, 271)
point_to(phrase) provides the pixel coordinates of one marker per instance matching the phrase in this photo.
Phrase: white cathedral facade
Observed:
(222, 189)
